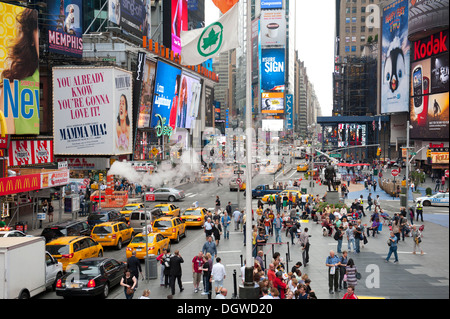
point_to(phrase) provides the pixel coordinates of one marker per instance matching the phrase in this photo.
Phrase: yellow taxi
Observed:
(294, 193)
(207, 177)
(71, 249)
(226, 173)
(303, 167)
(271, 169)
(171, 227)
(129, 208)
(194, 216)
(112, 234)
(156, 243)
(169, 209)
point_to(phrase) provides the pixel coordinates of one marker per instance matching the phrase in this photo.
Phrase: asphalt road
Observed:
(414, 277)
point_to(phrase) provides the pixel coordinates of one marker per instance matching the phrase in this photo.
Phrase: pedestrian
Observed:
(396, 226)
(166, 260)
(223, 294)
(209, 247)
(134, 265)
(217, 203)
(417, 239)
(259, 259)
(161, 261)
(280, 284)
(404, 229)
(338, 236)
(50, 212)
(145, 294)
(206, 272)
(197, 271)
(293, 231)
(369, 202)
(218, 274)
(351, 272)
(208, 227)
(350, 232)
(278, 224)
(350, 294)
(342, 270)
(438, 184)
(392, 243)
(332, 262)
(261, 239)
(278, 203)
(236, 218)
(219, 181)
(229, 209)
(226, 221)
(128, 282)
(419, 211)
(411, 215)
(217, 231)
(175, 271)
(304, 242)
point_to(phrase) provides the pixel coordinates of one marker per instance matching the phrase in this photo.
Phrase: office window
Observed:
(347, 20)
(353, 19)
(363, 29)
(353, 48)
(347, 39)
(347, 48)
(353, 39)
(354, 10)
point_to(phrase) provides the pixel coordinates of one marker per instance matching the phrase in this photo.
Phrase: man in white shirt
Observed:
(265, 293)
(237, 219)
(223, 294)
(218, 274)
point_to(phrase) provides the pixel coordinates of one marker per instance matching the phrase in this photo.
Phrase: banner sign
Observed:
(30, 152)
(132, 15)
(19, 184)
(92, 111)
(55, 178)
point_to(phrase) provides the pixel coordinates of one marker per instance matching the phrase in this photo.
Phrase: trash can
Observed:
(151, 272)
(402, 200)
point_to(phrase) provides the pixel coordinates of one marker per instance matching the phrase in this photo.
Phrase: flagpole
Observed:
(248, 290)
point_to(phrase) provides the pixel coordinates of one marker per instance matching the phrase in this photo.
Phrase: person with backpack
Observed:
(338, 235)
(278, 224)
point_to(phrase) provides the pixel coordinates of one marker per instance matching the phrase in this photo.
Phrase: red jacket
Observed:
(280, 285)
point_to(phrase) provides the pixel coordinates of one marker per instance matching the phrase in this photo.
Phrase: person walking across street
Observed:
(175, 271)
(237, 219)
(197, 271)
(128, 282)
(278, 224)
(332, 262)
(218, 274)
(392, 243)
(350, 232)
(342, 266)
(226, 221)
(304, 242)
(338, 236)
(134, 265)
(209, 247)
(417, 239)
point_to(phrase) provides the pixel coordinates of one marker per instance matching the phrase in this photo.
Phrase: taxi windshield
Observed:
(195, 212)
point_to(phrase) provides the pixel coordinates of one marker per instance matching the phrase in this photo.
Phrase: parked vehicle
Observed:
(439, 199)
(25, 268)
(13, 233)
(91, 277)
(166, 194)
(67, 228)
(103, 216)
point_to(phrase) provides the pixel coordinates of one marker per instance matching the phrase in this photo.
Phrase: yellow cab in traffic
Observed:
(169, 209)
(286, 192)
(303, 167)
(129, 208)
(170, 227)
(156, 243)
(69, 250)
(207, 177)
(194, 216)
(112, 234)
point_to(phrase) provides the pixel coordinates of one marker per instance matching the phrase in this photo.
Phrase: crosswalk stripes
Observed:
(190, 195)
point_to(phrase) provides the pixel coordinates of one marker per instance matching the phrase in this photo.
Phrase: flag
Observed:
(199, 45)
(224, 5)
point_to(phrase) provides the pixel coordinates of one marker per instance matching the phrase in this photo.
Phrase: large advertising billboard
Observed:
(132, 15)
(395, 58)
(272, 102)
(65, 30)
(167, 85)
(273, 28)
(92, 111)
(189, 100)
(272, 69)
(19, 69)
(179, 23)
(429, 104)
(147, 90)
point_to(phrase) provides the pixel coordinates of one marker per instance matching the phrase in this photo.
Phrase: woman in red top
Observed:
(350, 293)
(280, 285)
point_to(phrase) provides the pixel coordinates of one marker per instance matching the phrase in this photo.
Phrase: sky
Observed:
(315, 29)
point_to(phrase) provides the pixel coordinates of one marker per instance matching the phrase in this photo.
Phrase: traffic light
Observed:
(428, 156)
(100, 177)
(379, 151)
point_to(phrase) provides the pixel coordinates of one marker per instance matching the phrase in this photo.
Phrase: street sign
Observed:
(395, 172)
(446, 173)
(149, 197)
(155, 151)
(239, 172)
(239, 181)
(337, 155)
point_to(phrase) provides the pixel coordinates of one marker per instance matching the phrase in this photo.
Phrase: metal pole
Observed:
(146, 240)
(407, 165)
(248, 116)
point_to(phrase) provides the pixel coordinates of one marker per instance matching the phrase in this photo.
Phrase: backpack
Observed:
(337, 235)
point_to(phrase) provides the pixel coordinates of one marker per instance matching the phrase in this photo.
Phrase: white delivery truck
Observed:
(26, 269)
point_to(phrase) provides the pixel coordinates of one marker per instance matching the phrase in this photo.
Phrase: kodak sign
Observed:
(430, 46)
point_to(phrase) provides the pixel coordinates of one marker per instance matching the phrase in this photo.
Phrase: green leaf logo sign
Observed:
(210, 40)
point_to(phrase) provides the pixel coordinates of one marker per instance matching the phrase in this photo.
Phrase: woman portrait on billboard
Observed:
(183, 104)
(174, 108)
(22, 64)
(123, 125)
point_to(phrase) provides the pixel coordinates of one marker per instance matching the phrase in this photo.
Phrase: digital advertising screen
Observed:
(134, 16)
(273, 28)
(272, 102)
(167, 85)
(272, 69)
(189, 100)
(146, 98)
(271, 4)
(179, 23)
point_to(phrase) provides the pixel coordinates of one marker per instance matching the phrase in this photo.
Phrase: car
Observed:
(138, 218)
(67, 228)
(91, 277)
(127, 209)
(439, 199)
(169, 209)
(226, 173)
(166, 194)
(294, 193)
(13, 233)
(302, 167)
(273, 168)
(234, 185)
(194, 216)
(156, 243)
(207, 177)
(112, 234)
(102, 216)
(69, 250)
(171, 227)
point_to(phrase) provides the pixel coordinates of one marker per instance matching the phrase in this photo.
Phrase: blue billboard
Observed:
(271, 4)
(272, 69)
(167, 86)
(289, 111)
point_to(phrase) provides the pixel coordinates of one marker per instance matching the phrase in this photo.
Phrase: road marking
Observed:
(229, 252)
(292, 174)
